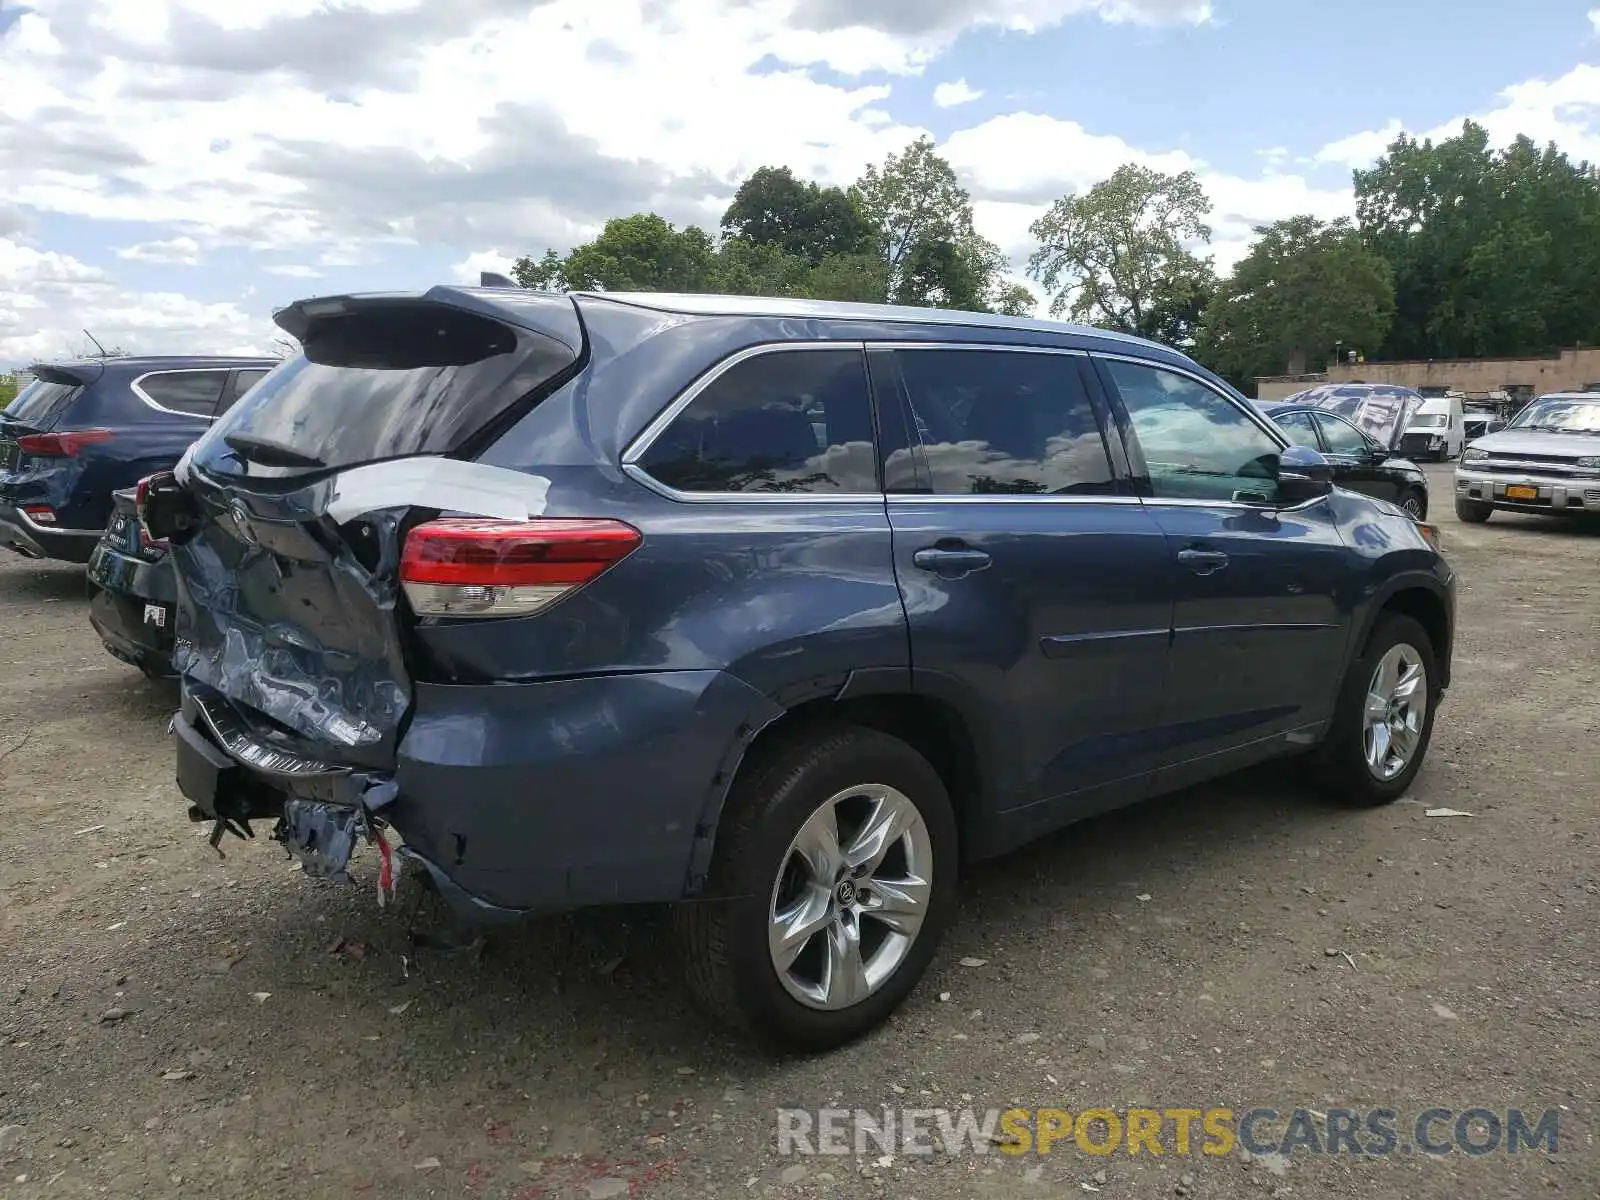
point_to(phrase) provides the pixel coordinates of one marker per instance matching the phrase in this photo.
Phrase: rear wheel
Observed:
(833, 879)
(1415, 502)
(1472, 512)
(1384, 718)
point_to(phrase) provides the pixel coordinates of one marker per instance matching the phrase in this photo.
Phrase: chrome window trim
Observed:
(1006, 348)
(907, 499)
(137, 387)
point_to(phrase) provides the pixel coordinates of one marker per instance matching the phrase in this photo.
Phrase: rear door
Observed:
(1037, 587)
(1258, 637)
(288, 591)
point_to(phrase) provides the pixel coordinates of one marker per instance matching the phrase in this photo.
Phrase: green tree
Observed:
(1013, 300)
(916, 205)
(1118, 254)
(547, 274)
(8, 388)
(1494, 253)
(641, 253)
(1304, 286)
(859, 277)
(753, 269)
(798, 217)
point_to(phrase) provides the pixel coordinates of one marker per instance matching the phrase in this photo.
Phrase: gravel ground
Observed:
(173, 1023)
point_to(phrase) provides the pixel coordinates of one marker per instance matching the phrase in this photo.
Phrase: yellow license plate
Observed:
(1518, 492)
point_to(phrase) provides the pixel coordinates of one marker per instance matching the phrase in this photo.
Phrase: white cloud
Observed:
(1594, 19)
(1359, 149)
(469, 269)
(948, 95)
(182, 251)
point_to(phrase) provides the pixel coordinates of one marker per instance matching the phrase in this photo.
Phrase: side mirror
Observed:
(1302, 475)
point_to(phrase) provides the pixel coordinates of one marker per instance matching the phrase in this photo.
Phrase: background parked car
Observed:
(81, 430)
(1360, 462)
(1436, 431)
(131, 591)
(776, 607)
(1547, 460)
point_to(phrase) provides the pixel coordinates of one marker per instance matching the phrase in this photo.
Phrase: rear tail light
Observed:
(140, 495)
(486, 568)
(40, 514)
(61, 445)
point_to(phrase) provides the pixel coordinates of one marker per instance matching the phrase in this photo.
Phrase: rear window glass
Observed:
(41, 402)
(382, 383)
(193, 393)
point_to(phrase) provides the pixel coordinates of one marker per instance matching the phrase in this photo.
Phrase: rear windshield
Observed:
(382, 383)
(41, 402)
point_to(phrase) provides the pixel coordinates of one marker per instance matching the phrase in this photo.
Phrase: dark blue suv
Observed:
(81, 430)
(773, 609)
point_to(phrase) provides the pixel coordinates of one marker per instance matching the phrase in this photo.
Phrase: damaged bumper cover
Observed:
(514, 799)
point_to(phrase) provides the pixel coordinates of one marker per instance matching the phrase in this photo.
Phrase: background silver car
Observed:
(1547, 460)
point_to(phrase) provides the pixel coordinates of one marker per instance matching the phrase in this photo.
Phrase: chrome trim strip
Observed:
(137, 388)
(639, 475)
(230, 734)
(1060, 645)
(908, 499)
(57, 529)
(1006, 348)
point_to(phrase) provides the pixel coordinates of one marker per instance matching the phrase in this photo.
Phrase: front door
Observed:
(1257, 637)
(1358, 463)
(1037, 586)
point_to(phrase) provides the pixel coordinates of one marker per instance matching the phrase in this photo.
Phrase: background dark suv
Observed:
(770, 607)
(84, 429)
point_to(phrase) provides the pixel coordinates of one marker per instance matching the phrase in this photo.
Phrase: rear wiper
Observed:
(269, 454)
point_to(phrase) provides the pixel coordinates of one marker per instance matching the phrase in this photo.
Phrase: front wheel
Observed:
(1415, 502)
(1472, 512)
(833, 879)
(1384, 719)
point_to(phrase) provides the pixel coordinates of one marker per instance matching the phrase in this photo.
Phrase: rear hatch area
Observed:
(288, 518)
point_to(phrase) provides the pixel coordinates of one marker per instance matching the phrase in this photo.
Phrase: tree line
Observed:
(1457, 250)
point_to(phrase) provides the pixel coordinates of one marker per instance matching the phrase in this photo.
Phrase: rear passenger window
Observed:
(194, 393)
(999, 422)
(785, 421)
(243, 381)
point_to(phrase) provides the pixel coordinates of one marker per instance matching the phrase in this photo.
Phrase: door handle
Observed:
(1203, 562)
(951, 561)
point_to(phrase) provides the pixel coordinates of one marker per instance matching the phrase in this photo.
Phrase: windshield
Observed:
(1561, 415)
(381, 383)
(41, 402)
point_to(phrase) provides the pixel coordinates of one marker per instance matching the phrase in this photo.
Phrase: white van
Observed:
(1437, 430)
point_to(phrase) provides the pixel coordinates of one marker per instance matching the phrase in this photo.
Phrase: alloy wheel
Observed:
(851, 896)
(1396, 712)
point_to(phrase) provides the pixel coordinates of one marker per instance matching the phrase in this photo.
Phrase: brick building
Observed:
(1475, 378)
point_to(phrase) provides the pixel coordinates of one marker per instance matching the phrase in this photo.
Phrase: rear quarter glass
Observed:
(41, 403)
(386, 382)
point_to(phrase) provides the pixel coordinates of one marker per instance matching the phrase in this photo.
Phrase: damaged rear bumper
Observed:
(514, 799)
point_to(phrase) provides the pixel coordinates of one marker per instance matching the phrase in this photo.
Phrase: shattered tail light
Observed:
(457, 567)
(61, 445)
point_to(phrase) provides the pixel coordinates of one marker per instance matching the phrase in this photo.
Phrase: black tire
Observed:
(1340, 765)
(722, 938)
(1473, 512)
(1415, 502)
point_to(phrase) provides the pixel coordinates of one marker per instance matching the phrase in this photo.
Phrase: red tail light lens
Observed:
(458, 567)
(39, 514)
(61, 445)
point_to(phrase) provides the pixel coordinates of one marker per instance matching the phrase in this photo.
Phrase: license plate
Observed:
(1517, 491)
(155, 615)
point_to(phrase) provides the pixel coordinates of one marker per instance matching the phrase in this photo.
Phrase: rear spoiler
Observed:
(554, 316)
(81, 375)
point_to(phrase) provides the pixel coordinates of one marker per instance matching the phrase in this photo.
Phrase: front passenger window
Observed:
(1197, 445)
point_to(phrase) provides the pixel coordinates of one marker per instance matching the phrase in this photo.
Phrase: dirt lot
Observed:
(1237, 946)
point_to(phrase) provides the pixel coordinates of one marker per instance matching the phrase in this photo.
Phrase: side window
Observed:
(192, 392)
(1197, 445)
(243, 381)
(785, 421)
(1000, 422)
(1342, 437)
(1297, 428)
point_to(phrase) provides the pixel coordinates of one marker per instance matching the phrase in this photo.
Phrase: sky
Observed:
(171, 171)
